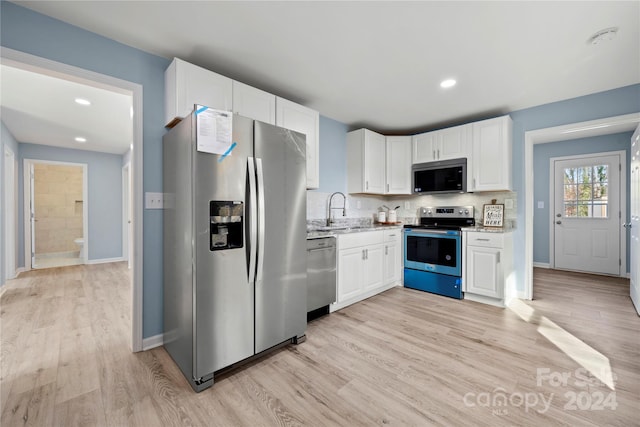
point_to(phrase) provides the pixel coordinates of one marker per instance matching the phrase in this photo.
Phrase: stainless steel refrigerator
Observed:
(234, 234)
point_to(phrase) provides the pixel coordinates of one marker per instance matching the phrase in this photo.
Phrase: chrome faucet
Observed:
(344, 207)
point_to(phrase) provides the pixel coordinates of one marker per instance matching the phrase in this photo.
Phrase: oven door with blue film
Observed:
(437, 251)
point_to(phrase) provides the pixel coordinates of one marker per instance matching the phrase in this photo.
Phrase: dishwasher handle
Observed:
(324, 248)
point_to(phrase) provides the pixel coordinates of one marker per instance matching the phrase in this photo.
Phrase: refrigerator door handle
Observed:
(253, 213)
(261, 220)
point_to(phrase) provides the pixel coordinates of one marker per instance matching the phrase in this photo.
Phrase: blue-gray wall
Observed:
(616, 102)
(104, 194)
(6, 139)
(27, 31)
(333, 155)
(542, 176)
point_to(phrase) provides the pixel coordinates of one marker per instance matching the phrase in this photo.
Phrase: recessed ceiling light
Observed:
(603, 35)
(80, 139)
(82, 101)
(448, 83)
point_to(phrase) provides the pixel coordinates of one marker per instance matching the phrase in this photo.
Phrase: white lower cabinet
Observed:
(364, 265)
(489, 267)
(392, 256)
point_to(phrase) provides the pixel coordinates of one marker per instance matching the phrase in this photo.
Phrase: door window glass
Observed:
(586, 192)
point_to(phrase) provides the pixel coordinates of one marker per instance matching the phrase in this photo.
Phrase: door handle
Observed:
(253, 219)
(261, 221)
(558, 215)
(558, 222)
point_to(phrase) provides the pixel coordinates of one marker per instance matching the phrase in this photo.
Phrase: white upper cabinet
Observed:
(444, 144)
(186, 84)
(398, 161)
(366, 162)
(490, 168)
(254, 103)
(304, 120)
(424, 147)
(455, 142)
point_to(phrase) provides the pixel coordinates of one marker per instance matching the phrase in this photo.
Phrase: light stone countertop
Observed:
(481, 229)
(335, 231)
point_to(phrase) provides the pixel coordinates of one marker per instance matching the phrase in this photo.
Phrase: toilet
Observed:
(80, 242)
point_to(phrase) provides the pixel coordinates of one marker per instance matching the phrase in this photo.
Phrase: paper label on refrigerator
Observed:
(214, 128)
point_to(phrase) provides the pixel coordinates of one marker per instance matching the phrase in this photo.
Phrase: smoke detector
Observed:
(603, 36)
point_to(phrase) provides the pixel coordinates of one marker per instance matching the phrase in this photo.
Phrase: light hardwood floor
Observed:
(404, 357)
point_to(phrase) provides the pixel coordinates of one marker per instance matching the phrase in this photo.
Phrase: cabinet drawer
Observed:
(354, 240)
(393, 235)
(487, 240)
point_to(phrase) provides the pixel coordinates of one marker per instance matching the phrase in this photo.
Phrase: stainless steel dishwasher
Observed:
(321, 275)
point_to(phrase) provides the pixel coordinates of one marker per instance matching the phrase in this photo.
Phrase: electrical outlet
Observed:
(358, 204)
(407, 205)
(153, 200)
(508, 203)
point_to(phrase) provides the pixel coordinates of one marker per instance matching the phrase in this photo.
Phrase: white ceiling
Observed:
(41, 109)
(379, 64)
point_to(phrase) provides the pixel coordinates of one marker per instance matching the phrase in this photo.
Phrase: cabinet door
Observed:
(187, 84)
(392, 262)
(302, 119)
(424, 147)
(374, 163)
(484, 272)
(373, 267)
(254, 103)
(350, 273)
(491, 146)
(398, 165)
(454, 142)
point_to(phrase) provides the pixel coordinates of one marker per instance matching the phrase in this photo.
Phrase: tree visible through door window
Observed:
(585, 192)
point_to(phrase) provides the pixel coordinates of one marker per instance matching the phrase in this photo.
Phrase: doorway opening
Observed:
(58, 202)
(90, 79)
(606, 126)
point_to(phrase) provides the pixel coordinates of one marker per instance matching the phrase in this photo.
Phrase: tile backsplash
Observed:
(367, 206)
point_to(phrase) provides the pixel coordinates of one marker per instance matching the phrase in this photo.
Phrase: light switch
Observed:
(540, 204)
(153, 200)
(508, 203)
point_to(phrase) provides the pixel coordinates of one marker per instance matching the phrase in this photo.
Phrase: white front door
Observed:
(587, 214)
(634, 225)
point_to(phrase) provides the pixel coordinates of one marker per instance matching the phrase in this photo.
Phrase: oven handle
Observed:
(446, 232)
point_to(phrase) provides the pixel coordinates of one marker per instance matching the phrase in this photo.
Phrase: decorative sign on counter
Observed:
(493, 215)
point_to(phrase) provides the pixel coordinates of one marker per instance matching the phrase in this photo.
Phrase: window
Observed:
(586, 192)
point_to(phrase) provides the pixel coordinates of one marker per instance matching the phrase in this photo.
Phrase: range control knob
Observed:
(460, 212)
(466, 211)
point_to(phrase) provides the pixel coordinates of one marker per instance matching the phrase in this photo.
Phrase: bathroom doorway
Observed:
(57, 203)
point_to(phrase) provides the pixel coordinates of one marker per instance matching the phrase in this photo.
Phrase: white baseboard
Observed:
(541, 264)
(152, 342)
(20, 270)
(104, 260)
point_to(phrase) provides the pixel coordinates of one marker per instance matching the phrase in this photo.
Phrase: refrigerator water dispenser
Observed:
(225, 225)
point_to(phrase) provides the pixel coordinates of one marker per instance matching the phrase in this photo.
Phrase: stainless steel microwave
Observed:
(446, 176)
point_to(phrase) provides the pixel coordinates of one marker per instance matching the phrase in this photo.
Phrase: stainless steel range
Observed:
(433, 250)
